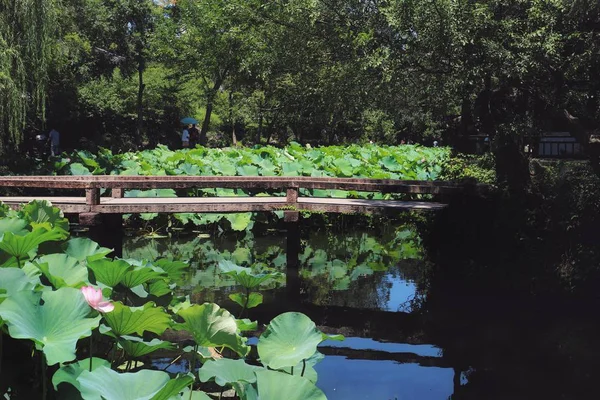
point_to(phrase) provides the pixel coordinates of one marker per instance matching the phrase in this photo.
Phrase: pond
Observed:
(372, 285)
(356, 283)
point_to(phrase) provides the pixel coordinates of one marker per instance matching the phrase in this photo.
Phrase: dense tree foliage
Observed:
(122, 73)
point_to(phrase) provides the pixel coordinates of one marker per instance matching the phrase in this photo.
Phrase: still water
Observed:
(403, 340)
(355, 274)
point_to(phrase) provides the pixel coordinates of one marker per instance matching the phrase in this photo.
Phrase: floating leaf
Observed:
(55, 326)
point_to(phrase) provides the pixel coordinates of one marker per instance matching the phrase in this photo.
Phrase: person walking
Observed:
(185, 137)
(54, 140)
(194, 135)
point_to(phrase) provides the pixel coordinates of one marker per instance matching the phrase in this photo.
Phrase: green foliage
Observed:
(288, 339)
(212, 326)
(54, 318)
(55, 326)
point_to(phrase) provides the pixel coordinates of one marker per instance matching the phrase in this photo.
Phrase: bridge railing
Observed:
(118, 184)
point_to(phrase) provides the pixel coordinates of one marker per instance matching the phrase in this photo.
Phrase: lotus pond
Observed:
(217, 312)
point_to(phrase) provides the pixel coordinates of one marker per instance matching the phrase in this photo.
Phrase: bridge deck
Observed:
(131, 205)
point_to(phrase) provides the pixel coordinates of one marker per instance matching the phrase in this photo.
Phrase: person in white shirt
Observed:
(54, 139)
(185, 137)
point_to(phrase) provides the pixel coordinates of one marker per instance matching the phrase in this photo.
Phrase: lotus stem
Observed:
(90, 352)
(303, 367)
(292, 373)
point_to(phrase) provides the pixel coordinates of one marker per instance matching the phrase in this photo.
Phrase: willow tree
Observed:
(27, 31)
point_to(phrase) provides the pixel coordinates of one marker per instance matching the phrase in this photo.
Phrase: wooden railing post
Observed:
(92, 196)
(118, 193)
(292, 200)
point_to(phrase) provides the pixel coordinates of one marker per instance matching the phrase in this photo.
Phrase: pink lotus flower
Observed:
(93, 297)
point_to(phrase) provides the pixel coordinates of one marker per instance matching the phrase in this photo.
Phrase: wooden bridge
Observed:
(92, 205)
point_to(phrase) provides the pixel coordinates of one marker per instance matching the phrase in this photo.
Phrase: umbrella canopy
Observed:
(189, 120)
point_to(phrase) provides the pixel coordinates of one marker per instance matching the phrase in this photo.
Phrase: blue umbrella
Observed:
(189, 120)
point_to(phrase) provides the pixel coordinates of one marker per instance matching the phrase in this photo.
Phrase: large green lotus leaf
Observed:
(105, 384)
(212, 326)
(289, 338)
(239, 221)
(243, 300)
(137, 347)
(63, 270)
(41, 211)
(159, 288)
(279, 385)
(69, 373)
(109, 272)
(174, 269)
(227, 371)
(13, 280)
(140, 275)
(20, 246)
(14, 225)
(84, 249)
(172, 389)
(55, 326)
(125, 320)
(79, 169)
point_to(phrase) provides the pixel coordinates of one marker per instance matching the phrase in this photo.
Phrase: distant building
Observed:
(557, 145)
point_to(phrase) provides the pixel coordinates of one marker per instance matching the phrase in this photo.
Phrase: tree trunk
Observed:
(140, 98)
(260, 127)
(209, 104)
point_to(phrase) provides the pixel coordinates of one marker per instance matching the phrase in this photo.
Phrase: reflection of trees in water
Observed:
(354, 269)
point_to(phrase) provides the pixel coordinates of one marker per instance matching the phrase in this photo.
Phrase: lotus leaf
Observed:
(105, 384)
(63, 270)
(174, 269)
(140, 275)
(84, 249)
(109, 272)
(227, 371)
(55, 326)
(251, 301)
(40, 212)
(20, 246)
(289, 338)
(174, 387)
(212, 326)
(278, 385)
(124, 320)
(13, 280)
(245, 325)
(69, 373)
(137, 347)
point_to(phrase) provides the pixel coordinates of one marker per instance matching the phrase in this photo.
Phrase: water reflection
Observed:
(355, 270)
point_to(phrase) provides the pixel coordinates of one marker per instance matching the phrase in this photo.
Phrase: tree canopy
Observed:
(123, 72)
